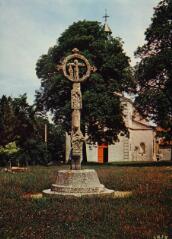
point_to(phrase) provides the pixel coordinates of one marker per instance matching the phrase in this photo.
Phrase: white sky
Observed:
(29, 27)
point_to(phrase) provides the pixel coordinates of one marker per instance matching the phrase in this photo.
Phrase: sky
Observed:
(29, 27)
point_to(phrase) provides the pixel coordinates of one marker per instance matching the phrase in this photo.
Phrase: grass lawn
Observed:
(145, 214)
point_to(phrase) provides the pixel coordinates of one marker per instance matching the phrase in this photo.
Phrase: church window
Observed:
(142, 148)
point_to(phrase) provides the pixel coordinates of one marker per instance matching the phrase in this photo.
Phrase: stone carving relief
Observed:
(76, 97)
(77, 141)
(75, 120)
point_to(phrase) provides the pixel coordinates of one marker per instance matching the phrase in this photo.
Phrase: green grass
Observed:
(147, 213)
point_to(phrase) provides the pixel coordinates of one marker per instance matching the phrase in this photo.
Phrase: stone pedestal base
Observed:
(77, 183)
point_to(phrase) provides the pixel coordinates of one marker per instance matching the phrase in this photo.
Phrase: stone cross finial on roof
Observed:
(106, 27)
(105, 16)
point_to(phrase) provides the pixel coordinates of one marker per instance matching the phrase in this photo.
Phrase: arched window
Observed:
(142, 148)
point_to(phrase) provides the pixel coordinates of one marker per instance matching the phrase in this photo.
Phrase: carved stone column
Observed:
(71, 69)
(77, 138)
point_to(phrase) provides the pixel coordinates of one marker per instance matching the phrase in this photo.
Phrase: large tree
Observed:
(154, 71)
(101, 113)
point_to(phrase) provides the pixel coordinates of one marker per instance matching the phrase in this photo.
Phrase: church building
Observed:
(140, 146)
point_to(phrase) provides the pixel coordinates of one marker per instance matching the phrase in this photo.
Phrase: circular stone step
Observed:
(77, 183)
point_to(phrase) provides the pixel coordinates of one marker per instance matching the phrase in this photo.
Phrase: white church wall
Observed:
(139, 138)
(121, 150)
(92, 153)
(115, 151)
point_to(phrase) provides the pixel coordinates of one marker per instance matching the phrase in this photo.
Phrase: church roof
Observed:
(146, 125)
(107, 28)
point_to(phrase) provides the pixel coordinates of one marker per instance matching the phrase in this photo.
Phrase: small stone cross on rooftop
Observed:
(105, 16)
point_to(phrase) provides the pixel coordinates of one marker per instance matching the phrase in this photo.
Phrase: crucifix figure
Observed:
(72, 72)
(74, 69)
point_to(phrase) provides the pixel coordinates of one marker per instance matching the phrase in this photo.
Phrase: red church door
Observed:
(102, 153)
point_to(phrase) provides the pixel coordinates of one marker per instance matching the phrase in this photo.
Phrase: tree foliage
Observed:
(101, 113)
(154, 71)
(22, 126)
(7, 120)
(17, 120)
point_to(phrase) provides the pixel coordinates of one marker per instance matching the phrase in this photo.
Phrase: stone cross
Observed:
(71, 66)
(105, 16)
